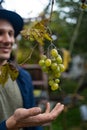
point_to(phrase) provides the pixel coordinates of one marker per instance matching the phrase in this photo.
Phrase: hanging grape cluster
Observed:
(53, 66)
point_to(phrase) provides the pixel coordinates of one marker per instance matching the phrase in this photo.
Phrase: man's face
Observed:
(6, 39)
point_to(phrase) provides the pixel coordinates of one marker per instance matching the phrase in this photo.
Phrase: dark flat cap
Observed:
(14, 18)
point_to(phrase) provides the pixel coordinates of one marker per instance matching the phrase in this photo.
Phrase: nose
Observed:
(8, 39)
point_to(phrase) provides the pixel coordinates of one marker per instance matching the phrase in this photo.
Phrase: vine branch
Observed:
(29, 57)
(52, 3)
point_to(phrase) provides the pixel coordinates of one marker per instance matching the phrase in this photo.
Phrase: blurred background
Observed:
(68, 25)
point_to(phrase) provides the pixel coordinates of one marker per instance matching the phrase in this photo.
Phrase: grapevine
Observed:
(52, 64)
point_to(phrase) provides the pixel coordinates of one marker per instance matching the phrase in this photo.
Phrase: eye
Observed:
(11, 34)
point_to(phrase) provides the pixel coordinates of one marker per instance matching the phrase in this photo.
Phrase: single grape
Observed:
(48, 62)
(54, 87)
(62, 68)
(54, 53)
(57, 75)
(51, 82)
(54, 66)
(41, 62)
(57, 69)
(57, 80)
(59, 59)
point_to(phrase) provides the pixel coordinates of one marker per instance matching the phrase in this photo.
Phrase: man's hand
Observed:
(33, 117)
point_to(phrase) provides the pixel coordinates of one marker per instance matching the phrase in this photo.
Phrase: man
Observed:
(17, 111)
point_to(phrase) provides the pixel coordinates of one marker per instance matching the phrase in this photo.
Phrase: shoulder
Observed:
(21, 70)
(23, 73)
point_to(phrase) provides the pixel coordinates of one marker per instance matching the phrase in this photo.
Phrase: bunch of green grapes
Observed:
(53, 66)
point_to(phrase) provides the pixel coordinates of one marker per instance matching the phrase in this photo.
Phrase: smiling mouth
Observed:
(5, 49)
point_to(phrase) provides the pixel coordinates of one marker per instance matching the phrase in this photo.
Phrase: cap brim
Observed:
(14, 18)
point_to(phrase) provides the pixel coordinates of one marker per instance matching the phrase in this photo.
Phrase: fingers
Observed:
(50, 116)
(58, 107)
(57, 110)
(22, 113)
(47, 107)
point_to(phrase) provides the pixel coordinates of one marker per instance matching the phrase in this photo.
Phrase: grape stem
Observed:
(29, 57)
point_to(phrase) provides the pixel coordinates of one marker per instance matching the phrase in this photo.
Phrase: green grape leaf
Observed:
(4, 74)
(6, 71)
(38, 31)
(13, 72)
